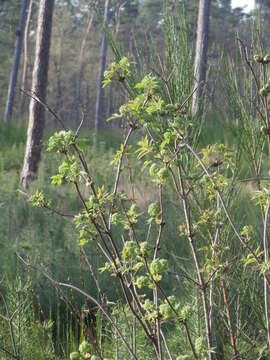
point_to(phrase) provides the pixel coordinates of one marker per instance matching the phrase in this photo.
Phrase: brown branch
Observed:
(232, 338)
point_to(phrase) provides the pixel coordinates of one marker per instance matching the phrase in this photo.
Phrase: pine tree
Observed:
(39, 90)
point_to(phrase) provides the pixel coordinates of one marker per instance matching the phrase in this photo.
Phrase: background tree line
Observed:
(76, 47)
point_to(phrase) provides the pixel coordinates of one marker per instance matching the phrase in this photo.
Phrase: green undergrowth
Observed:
(53, 237)
(50, 239)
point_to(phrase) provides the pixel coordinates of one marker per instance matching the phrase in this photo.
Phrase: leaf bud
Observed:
(163, 173)
(74, 356)
(153, 170)
(263, 91)
(258, 59)
(145, 249)
(153, 210)
(142, 282)
(267, 87)
(266, 59)
(84, 347)
(265, 130)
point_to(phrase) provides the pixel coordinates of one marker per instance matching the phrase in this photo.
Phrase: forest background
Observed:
(140, 31)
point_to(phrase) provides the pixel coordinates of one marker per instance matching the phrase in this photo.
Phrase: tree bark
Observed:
(201, 53)
(16, 62)
(39, 90)
(25, 51)
(110, 102)
(102, 64)
(90, 20)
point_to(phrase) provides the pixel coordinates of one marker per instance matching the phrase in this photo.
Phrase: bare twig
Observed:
(197, 265)
(229, 321)
(266, 260)
(103, 311)
(10, 324)
(116, 183)
(5, 351)
(35, 97)
(80, 125)
(231, 222)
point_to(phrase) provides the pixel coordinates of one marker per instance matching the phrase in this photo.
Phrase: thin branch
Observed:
(266, 260)
(103, 311)
(229, 218)
(166, 345)
(101, 307)
(244, 48)
(80, 125)
(232, 338)
(10, 324)
(34, 96)
(118, 172)
(5, 351)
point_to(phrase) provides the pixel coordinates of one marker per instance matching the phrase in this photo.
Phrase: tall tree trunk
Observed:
(16, 62)
(102, 64)
(25, 52)
(201, 53)
(58, 94)
(117, 12)
(90, 20)
(39, 89)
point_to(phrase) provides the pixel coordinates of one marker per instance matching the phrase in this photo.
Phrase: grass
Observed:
(52, 240)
